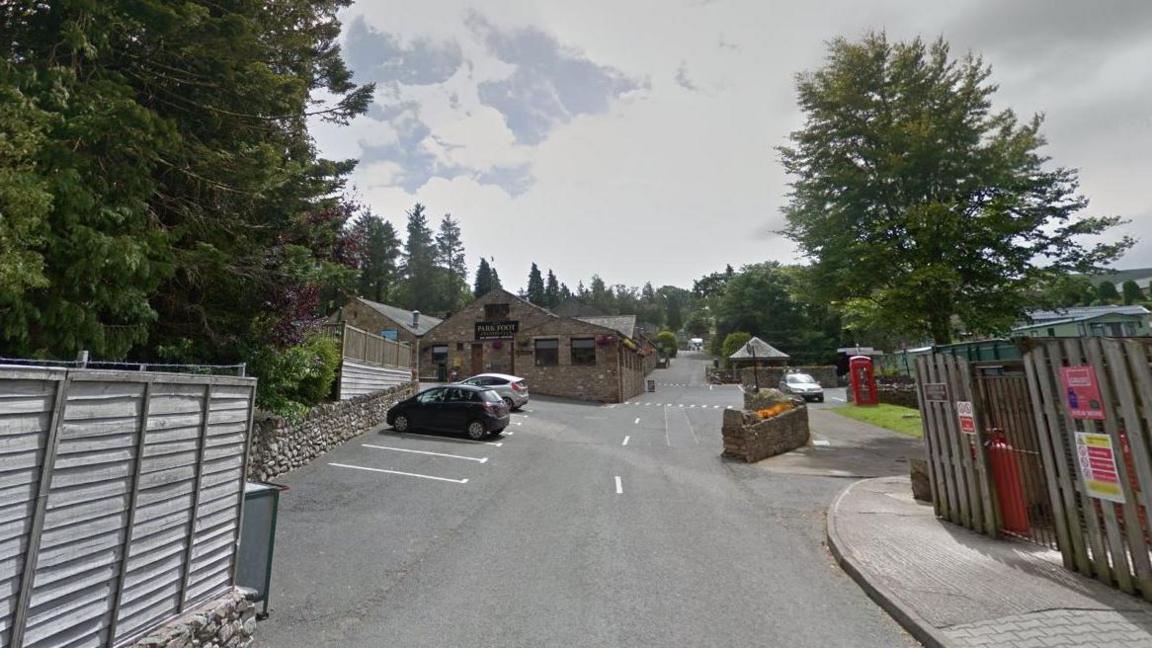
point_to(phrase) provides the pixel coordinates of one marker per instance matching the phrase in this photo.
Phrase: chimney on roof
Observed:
(415, 319)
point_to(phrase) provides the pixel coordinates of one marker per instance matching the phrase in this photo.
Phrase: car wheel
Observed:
(401, 423)
(476, 431)
(510, 404)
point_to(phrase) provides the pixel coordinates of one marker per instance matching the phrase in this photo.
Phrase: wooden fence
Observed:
(1092, 400)
(957, 462)
(370, 363)
(120, 500)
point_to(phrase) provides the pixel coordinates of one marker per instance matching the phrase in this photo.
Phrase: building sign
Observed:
(388, 334)
(967, 417)
(496, 330)
(936, 392)
(1098, 466)
(1082, 393)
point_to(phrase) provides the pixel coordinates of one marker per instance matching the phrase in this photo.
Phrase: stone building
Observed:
(386, 321)
(587, 359)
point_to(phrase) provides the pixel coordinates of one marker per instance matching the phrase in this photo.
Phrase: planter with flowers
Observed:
(774, 427)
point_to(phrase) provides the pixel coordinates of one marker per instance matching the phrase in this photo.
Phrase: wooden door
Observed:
(477, 358)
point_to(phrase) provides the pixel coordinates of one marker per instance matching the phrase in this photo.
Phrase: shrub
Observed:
(295, 378)
(733, 342)
(667, 343)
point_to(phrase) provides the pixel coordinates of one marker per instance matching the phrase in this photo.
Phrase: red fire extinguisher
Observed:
(1006, 477)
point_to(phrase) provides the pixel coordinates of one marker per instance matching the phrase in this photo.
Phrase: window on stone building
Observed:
(496, 311)
(583, 351)
(547, 352)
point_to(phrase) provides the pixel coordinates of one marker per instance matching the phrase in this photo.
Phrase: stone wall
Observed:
(278, 447)
(226, 622)
(750, 439)
(363, 316)
(771, 376)
(894, 394)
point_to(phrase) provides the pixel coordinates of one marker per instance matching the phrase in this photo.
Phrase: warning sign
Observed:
(1082, 393)
(1098, 466)
(967, 418)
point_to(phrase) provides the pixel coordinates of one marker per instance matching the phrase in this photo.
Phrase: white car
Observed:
(512, 389)
(802, 385)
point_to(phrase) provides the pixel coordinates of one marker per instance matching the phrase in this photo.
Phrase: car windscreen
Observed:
(490, 396)
(801, 379)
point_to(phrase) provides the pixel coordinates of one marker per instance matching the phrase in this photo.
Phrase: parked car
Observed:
(512, 389)
(476, 411)
(802, 385)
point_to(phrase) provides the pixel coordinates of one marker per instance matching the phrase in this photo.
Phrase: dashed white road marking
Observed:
(498, 444)
(425, 452)
(637, 421)
(517, 423)
(681, 404)
(692, 406)
(397, 472)
(510, 433)
(838, 400)
(821, 442)
(727, 407)
(715, 407)
(626, 440)
(619, 486)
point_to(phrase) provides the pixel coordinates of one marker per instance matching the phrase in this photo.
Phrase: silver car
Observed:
(512, 389)
(802, 385)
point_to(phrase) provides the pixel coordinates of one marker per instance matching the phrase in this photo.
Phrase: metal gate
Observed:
(1015, 460)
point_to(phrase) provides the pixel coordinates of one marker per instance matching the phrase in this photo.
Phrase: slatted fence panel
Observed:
(1108, 540)
(957, 463)
(126, 491)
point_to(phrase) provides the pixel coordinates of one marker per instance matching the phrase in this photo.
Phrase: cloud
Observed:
(381, 57)
(551, 84)
(683, 80)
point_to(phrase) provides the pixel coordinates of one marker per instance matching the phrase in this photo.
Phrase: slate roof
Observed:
(403, 317)
(763, 351)
(624, 324)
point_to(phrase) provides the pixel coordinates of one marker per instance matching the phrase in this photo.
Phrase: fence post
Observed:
(32, 554)
(132, 495)
(196, 481)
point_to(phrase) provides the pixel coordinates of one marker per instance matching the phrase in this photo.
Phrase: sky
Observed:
(637, 139)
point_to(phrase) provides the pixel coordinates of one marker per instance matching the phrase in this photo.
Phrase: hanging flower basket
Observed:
(605, 340)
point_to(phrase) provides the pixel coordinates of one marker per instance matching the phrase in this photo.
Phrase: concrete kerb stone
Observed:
(916, 625)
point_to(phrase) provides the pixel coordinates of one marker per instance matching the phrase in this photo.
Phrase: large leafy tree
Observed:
(917, 200)
(162, 196)
(1131, 292)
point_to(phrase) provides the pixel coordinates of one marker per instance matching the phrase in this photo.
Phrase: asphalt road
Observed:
(584, 525)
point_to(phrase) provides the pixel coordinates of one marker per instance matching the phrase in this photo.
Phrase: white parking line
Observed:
(821, 442)
(626, 440)
(619, 486)
(498, 444)
(397, 472)
(637, 421)
(838, 400)
(425, 452)
(667, 440)
(510, 433)
(691, 428)
(517, 423)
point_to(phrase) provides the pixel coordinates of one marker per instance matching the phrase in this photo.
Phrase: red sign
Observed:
(1082, 393)
(967, 417)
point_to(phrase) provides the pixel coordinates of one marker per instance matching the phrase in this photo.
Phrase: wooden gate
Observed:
(1019, 476)
(1092, 401)
(958, 469)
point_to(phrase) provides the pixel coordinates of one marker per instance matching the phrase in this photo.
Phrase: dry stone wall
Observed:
(750, 439)
(770, 376)
(278, 447)
(226, 622)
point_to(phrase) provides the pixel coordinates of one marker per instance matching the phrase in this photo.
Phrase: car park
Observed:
(803, 386)
(476, 411)
(513, 389)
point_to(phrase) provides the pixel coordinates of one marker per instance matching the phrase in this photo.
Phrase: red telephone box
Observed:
(863, 380)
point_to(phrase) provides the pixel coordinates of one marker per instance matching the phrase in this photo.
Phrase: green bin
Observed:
(258, 539)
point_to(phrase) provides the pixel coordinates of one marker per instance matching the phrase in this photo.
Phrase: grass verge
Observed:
(904, 420)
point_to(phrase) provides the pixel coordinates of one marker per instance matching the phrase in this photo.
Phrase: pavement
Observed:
(952, 587)
(584, 525)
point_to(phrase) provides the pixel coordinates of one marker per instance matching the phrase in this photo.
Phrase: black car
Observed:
(476, 411)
